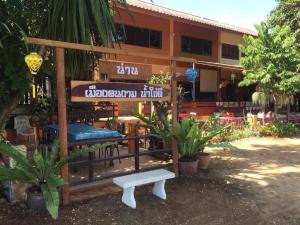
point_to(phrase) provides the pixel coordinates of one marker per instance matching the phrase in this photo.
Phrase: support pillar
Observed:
(62, 119)
(175, 153)
(218, 85)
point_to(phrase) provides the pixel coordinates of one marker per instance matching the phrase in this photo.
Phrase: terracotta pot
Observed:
(188, 168)
(35, 200)
(204, 160)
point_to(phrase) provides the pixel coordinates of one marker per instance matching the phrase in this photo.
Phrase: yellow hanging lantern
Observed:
(34, 62)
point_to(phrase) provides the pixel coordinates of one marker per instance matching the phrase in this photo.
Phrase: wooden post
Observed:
(175, 153)
(132, 132)
(62, 119)
(218, 85)
(172, 37)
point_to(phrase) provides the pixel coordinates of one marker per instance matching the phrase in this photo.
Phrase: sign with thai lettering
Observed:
(124, 70)
(88, 91)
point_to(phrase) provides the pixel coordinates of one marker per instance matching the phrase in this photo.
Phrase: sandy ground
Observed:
(270, 169)
(255, 184)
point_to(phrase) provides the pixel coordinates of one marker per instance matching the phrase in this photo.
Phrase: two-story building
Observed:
(149, 28)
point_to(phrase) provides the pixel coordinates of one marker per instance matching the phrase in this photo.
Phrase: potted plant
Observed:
(160, 136)
(208, 131)
(43, 173)
(187, 135)
(192, 138)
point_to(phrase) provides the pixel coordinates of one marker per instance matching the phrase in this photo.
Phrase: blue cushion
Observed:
(79, 131)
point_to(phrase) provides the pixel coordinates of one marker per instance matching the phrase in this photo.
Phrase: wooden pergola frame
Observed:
(61, 93)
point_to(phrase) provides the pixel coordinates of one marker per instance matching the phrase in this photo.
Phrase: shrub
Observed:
(238, 134)
(278, 129)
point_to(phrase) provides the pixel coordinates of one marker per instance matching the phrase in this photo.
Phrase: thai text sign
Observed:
(87, 91)
(124, 70)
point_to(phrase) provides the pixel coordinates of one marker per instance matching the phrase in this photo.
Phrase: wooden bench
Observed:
(129, 182)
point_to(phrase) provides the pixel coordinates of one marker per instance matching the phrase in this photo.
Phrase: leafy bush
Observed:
(239, 134)
(278, 129)
(43, 172)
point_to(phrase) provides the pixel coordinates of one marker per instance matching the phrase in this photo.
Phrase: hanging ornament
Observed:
(191, 74)
(34, 62)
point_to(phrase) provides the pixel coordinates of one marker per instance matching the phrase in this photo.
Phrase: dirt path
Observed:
(256, 184)
(270, 169)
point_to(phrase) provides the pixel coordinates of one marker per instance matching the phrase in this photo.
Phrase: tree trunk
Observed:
(264, 114)
(7, 109)
(288, 109)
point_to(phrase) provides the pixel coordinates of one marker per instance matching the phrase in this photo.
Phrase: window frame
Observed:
(149, 31)
(204, 41)
(230, 52)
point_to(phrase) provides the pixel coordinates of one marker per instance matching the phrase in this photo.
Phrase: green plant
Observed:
(192, 138)
(272, 61)
(239, 134)
(42, 105)
(111, 123)
(155, 126)
(278, 129)
(43, 172)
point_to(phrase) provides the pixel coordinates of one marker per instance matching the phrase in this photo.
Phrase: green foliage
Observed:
(43, 172)
(286, 13)
(235, 134)
(86, 22)
(260, 98)
(111, 123)
(278, 129)
(14, 80)
(42, 105)
(155, 126)
(272, 60)
(160, 79)
(193, 138)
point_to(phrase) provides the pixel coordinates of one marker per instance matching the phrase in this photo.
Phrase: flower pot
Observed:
(188, 168)
(204, 160)
(35, 200)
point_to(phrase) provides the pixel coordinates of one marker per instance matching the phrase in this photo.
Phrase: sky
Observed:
(243, 13)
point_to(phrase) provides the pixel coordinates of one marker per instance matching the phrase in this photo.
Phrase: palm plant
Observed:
(86, 22)
(193, 138)
(43, 172)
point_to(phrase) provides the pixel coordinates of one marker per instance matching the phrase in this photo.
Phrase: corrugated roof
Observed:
(186, 16)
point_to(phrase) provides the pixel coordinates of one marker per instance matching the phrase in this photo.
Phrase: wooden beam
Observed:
(175, 153)
(172, 37)
(91, 48)
(62, 119)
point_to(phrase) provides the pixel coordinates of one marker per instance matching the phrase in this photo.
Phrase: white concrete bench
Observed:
(129, 182)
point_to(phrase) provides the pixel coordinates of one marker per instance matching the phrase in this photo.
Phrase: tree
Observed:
(87, 22)
(286, 13)
(272, 61)
(14, 80)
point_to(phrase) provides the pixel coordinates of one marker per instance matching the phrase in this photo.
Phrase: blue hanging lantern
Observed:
(191, 74)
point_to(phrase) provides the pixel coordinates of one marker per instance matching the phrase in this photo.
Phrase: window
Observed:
(196, 46)
(139, 36)
(230, 51)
